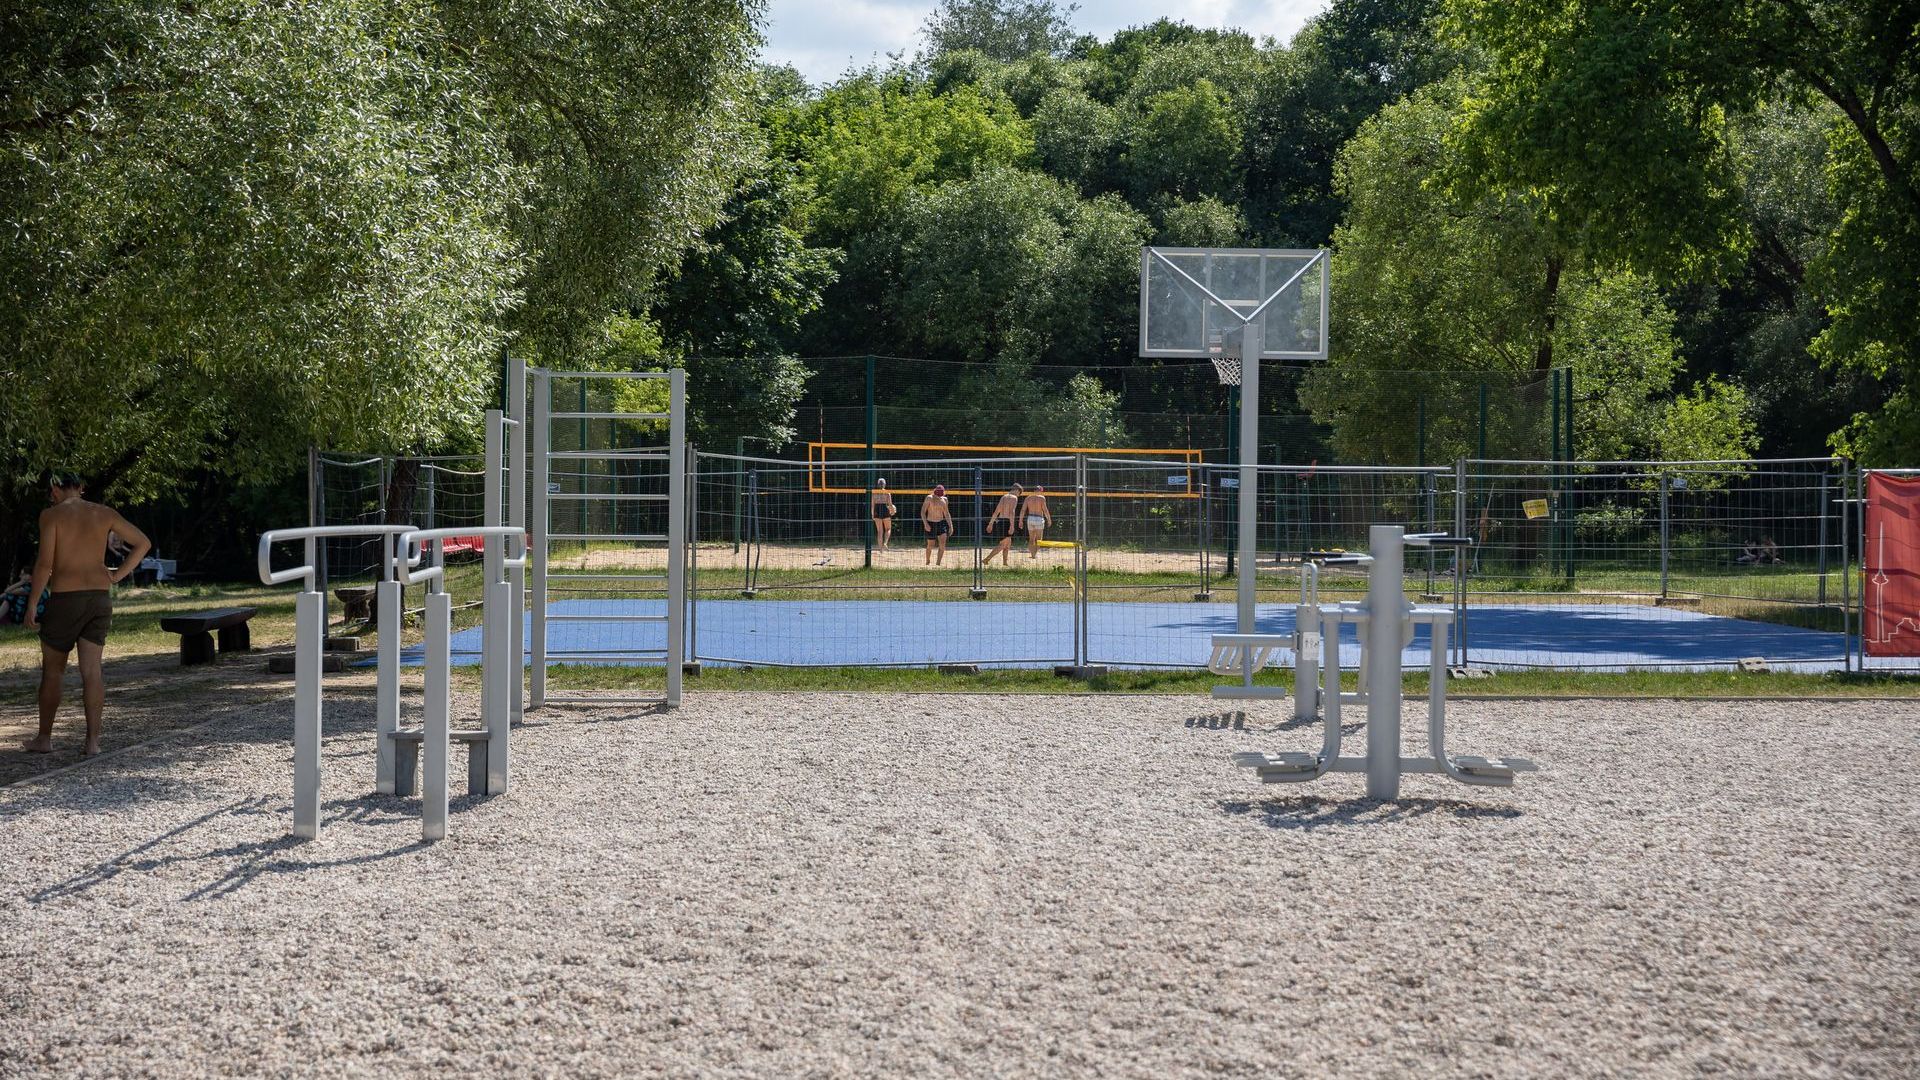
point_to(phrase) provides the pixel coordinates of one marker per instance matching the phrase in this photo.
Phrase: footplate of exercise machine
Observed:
(1280, 768)
(1494, 768)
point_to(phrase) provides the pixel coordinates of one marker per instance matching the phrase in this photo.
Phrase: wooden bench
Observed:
(196, 631)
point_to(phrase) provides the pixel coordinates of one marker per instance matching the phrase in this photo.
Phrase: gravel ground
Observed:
(823, 885)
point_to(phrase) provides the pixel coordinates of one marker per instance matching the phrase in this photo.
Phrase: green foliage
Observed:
(1084, 414)
(1185, 143)
(1626, 119)
(1204, 222)
(999, 29)
(1012, 263)
(1075, 138)
(1426, 281)
(269, 225)
(1711, 422)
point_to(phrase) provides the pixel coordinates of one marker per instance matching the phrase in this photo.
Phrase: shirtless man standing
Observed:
(937, 520)
(1038, 518)
(73, 550)
(1003, 523)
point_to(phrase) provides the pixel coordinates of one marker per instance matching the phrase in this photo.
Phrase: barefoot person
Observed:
(937, 520)
(1038, 518)
(72, 562)
(883, 511)
(1003, 523)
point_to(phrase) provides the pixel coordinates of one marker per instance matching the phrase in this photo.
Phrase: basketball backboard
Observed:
(1193, 299)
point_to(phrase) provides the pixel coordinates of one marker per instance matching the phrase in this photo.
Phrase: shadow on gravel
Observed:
(1312, 812)
(246, 860)
(1236, 720)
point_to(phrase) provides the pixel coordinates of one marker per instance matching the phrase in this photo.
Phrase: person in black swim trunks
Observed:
(883, 512)
(73, 564)
(937, 521)
(1003, 524)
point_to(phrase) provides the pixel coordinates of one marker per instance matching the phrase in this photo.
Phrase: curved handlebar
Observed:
(406, 544)
(270, 576)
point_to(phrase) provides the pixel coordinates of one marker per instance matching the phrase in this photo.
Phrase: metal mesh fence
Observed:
(1615, 551)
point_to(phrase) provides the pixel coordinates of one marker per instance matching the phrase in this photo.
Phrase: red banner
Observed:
(1892, 614)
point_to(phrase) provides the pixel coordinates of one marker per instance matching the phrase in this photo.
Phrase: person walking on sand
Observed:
(937, 520)
(883, 511)
(1002, 524)
(79, 612)
(1038, 518)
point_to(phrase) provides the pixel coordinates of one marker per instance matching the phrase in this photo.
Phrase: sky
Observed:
(823, 38)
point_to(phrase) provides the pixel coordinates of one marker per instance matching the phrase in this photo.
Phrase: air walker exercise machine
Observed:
(1316, 689)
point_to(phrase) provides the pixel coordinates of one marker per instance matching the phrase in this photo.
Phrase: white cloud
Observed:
(823, 38)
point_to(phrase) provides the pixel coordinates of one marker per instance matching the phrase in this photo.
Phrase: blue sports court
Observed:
(1598, 637)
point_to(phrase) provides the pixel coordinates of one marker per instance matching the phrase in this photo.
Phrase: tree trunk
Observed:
(1543, 356)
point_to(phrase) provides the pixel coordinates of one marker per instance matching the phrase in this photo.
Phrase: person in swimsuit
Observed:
(1038, 518)
(1003, 524)
(883, 511)
(937, 520)
(79, 612)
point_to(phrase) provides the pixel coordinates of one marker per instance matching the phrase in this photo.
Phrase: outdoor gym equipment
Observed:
(1385, 623)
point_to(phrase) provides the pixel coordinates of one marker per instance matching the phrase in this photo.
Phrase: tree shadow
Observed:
(1308, 812)
(248, 860)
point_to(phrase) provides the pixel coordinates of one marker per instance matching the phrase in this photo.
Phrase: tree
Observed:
(1075, 138)
(1625, 114)
(1711, 422)
(1205, 222)
(1439, 294)
(999, 29)
(1185, 143)
(265, 226)
(1344, 66)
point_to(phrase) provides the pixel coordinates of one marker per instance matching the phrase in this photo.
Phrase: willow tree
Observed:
(230, 229)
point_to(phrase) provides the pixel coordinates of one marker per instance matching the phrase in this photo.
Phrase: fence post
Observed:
(979, 531)
(1463, 558)
(1851, 484)
(1081, 647)
(1823, 538)
(693, 554)
(676, 533)
(1204, 533)
(1665, 532)
(872, 433)
(1483, 419)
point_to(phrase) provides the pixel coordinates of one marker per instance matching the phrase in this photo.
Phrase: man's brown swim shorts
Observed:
(71, 616)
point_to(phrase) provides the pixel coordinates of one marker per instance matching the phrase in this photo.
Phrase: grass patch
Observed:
(1632, 684)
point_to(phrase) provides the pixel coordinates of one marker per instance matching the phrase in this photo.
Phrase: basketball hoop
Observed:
(1228, 368)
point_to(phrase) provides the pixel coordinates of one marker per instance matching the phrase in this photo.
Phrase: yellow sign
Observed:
(1535, 508)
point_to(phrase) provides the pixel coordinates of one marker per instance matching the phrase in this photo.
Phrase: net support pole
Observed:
(676, 533)
(979, 529)
(872, 437)
(1253, 343)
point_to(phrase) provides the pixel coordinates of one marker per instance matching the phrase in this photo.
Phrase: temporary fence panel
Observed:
(1654, 564)
(1162, 574)
(793, 568)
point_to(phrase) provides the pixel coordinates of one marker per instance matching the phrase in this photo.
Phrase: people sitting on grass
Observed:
(13, 604)
(937, 521)
(1763, 552)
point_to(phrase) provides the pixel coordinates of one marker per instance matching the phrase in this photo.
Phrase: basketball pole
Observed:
(1252, 344)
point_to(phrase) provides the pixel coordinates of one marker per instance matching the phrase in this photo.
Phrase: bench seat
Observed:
(196, 630)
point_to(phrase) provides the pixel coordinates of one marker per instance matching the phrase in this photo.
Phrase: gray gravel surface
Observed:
(825, 885)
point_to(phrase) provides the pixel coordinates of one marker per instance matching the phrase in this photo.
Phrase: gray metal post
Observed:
(1666, 546)
(1253, 342)
(1464, 558)
(1386, 610)
(309, 643)
(979, 530)
(537, 513)
(517, 518)
(492, 515)
(676, 534)
(1082, 648)
(1824, 504)
(693, 553)
(1852, 483)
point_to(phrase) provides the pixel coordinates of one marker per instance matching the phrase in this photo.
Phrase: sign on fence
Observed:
(1891, 619)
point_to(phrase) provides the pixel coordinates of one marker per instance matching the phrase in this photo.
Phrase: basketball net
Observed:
(1227, 367)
